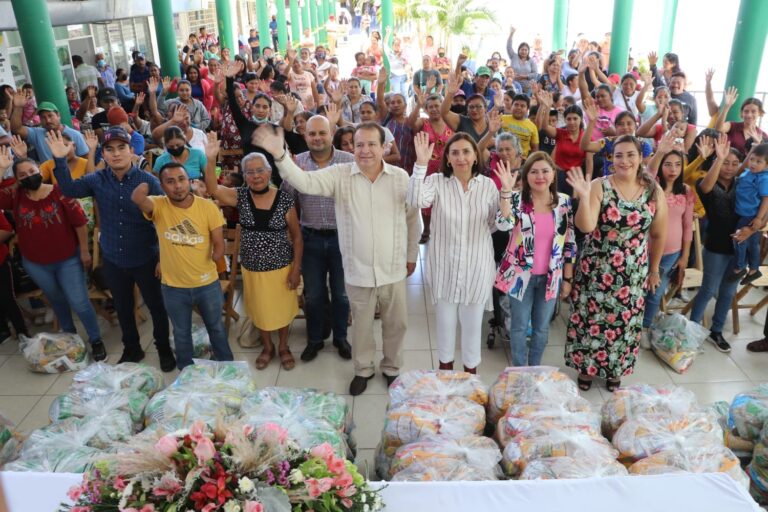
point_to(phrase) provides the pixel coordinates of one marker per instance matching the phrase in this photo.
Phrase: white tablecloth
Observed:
(42, 492)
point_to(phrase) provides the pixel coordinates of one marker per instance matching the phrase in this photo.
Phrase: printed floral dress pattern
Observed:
(608, 299)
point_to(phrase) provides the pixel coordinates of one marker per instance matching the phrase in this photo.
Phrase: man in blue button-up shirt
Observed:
(128, 241)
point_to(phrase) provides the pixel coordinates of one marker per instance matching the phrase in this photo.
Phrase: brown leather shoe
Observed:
(758, 346)
(473, 371)
(358, 385)
(446, 366)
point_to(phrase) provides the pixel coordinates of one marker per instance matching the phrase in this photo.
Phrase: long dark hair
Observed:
(645, 179)
(446, 169)
(534, 157)
(344, 130)
(678, 187)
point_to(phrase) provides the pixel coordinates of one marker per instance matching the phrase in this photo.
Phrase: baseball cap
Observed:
(483, 70)
(460, 92)
(117, 115)
(47, 106)
(614, 78)
(116, 133)
(107, 93)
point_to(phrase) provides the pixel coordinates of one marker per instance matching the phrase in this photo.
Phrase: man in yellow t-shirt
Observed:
(191, 237)
(519, 124)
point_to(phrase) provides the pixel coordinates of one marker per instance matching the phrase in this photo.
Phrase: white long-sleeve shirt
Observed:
(460, 266)
(378, 231)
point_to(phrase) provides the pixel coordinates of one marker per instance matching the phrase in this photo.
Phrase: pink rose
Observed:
(623, 292)
(119, 483)
(610, 335)
(602, 355)
(167, 445)
(323, 451)
(610, 318)
(197, 431)
(313, 488)
(577, 358)
(204, 451)
(633, 218)
(344, 480)
(325, 484)
(571, 333)
(617, 259)
(626, 315)
(607, 279)
(337, 465)
(594, 330)
(346, 502)
(74, 492)
(592, 371)
(253, 506)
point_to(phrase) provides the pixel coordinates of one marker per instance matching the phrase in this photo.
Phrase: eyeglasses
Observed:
(475, 107)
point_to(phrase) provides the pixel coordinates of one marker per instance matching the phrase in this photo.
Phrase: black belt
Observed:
(321, 232)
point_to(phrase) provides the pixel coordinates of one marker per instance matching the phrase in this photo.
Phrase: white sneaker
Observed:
(645, 340)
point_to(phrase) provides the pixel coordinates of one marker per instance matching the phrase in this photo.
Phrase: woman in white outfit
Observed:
(460, 267)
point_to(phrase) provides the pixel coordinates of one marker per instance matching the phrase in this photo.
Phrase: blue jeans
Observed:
(209, 302)
(653, 300)
(715, 281)
(63, 283)
(538, 311)
(321, 264)
(747, 253)
(397, 85)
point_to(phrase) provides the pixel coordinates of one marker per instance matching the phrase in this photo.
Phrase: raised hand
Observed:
(180, 114)
(545, 99)
(6, 158)
(218, 76)
(709, 74)
(461, 59)
(454, 81)
(153, 83)
(431, 82)
(667, 143)
(59, 145)
(335, 94)
(590, 109)
(420, 98)
(498, 98)
(507, 176)
(652, 59)
(20, 99)
(581, 187)
(233, 68)
(19, 147)
(383, 74)
(139, 100)
(705, 146)
(212, 146)
(423, 148)
(291, 103)
(494, 121)
(722, 147)
(270, 138)
(91, 140)
(647, 78)
(166, 83)
(333, 114)
(731, 95)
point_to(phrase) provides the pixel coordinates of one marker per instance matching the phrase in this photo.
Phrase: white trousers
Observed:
(470, 319)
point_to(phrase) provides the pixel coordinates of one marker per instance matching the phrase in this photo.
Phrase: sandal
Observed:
(264, 358)
(584, 384)
(286, 359)
(612, 385)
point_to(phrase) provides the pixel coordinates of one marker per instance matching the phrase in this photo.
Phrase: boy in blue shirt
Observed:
(752, 209)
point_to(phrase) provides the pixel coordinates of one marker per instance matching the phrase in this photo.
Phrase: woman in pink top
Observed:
(538, 265)
(607, 112)
(677, 248)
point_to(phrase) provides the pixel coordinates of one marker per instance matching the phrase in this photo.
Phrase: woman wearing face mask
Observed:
(199, 115)
(53, 239)
(745, 133)
(439, 133)
(619, 213)
(460, 266)
(475, 123)
(176, 150)
(271, 249)
(537, 268)
(521, 62)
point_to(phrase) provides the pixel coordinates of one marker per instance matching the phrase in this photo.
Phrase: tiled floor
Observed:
(25, 396)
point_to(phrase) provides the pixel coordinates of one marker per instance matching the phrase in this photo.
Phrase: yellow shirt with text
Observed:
(524, 129)
(185, 241)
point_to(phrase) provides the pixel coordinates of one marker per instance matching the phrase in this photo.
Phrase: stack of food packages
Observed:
(748, 428)
(11, 441)
(433, 428)
(546, 430)
(311, 417)
(54, 352)
(659, 430)
(103, 407)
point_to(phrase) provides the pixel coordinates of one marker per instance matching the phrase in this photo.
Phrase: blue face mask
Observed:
(101, 63)
(259, 120)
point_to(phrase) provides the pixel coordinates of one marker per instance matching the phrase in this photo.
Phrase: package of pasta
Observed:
(54, 353)
(677, 341)
(11, 441)
(553, 443)
(277, 404)
(749, 412)
(139, 377)
(640, 399)
(419, 417)
(558, 468)
(692, 459)
(440, 452)
(437, 384)
(204, 374)
(88, 401)
(527, 384)
(181, 406)
(521, 419)
(645, 435)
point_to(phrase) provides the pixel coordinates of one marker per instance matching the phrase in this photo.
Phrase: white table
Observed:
(42, 492)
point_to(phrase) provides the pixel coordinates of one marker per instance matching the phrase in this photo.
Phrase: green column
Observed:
(620, 32)
(313, 19)
(224, 22)
(747, 50)
(387, 16)
(282, 28)
(322, 19)
(162, 11)
(262, 22)
(667, 26)
(40, 50)
(305, 19)
(560, 25)
(295, 23)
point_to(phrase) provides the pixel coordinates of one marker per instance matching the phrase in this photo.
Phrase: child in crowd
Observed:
(752, 209)
(519, 124)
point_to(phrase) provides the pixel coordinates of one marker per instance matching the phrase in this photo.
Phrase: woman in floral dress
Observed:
(620, 213)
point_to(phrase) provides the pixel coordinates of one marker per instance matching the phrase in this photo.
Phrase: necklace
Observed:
(625, 196)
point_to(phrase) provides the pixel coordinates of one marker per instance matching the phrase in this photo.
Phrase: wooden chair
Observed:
(693, 276)
(99, 297)
(228, 285)
(761, 282)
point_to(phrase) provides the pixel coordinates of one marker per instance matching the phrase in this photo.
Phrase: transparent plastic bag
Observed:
(100, 432)
(559, 468)
(306, 432)
(139, 377)
(54, 353)
(88, 401)
(705, 459)
(11, 441)
(677, 341)
(640, 399)
(749, 412)
(437, 384)
(527, 384)
(181, 406)
(520, 419)
(204, 374)
(60, 459)
(201, 342)
(643, 436)
(436, 458)
(275, 404)
(545, 443)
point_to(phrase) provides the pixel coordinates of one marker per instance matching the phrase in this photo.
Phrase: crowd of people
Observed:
(538, 178)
